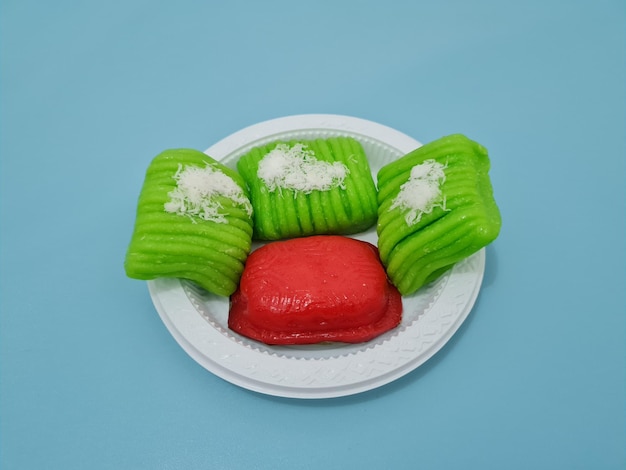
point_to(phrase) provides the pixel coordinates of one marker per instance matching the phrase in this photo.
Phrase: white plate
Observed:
(198, 320)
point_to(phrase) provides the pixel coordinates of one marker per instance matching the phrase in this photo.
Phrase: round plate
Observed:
(198, 320)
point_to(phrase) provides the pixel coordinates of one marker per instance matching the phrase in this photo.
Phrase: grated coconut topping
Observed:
(297, 168)
(422, 192)
(197, 190)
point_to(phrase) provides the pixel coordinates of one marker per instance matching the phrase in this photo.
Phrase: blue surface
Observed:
(91, 91)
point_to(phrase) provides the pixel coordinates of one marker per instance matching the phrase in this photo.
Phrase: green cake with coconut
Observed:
(193, 221)
(309, 187)
(436, 207)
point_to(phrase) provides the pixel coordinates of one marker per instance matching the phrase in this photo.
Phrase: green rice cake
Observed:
(435, 208)
(194, 221)
(309, 187)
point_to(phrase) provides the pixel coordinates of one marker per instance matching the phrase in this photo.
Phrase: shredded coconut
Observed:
(196, 192)
(422, 192)
(297, 168)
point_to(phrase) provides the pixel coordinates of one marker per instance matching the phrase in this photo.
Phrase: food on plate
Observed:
(436, 207)
(314, 289)
(193, 221)
(309, 187)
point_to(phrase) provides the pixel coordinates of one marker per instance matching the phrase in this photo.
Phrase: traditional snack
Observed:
(436, 207)
(314, 289)
(194, 221)
(309, 187)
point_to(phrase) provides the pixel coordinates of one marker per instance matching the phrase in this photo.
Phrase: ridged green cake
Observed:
(435, 208)
(309, 187)
(194, 221)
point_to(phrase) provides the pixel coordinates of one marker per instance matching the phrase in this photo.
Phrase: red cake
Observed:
(314, 289)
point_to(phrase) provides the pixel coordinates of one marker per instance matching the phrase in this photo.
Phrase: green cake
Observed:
(194, 221)
(435, 208)
(309, 187)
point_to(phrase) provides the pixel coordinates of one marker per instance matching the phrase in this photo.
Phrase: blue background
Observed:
(91, 91)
